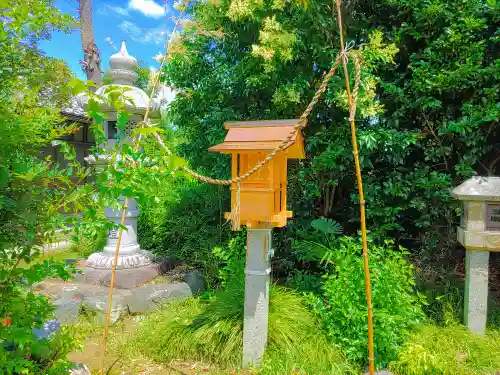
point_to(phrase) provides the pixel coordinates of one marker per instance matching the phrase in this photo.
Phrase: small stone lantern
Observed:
(134, 266)
(262, 206)
(479, 233)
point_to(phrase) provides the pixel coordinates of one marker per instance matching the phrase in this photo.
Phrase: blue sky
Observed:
(144, 24)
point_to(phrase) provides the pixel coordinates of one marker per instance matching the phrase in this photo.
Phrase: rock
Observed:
(67, 310)
(99, 304)
(195, 281)
(79, 369)
(150, 297)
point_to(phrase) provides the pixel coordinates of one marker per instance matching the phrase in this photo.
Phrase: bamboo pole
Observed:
(355, 152)
(111, 285)
(145, 122)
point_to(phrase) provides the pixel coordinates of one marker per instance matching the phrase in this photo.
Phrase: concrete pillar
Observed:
(257, 272)
(476, 290)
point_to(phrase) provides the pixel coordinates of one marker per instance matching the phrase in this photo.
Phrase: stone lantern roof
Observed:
(123, 73)
(479, 189)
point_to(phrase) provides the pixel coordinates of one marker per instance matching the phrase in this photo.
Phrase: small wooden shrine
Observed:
(262, 195)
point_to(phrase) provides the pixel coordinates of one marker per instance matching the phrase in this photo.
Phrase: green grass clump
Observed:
(212, 331)
(450, 350)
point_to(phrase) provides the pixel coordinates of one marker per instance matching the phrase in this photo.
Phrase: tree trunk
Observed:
(91, 59)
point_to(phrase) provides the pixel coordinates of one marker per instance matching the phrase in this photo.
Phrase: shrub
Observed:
(343, 309)
(186, 225)
(86, 244)
(23, 315)
(36, 195)
(448, 350)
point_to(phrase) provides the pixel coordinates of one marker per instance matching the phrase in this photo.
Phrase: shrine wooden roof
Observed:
(260, 136)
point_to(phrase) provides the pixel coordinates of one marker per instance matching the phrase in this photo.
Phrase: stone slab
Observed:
(79, 369)
(195, 281)
(99, 304)
(47, 330)
(125, 278)
(151, 297)
(67, 311)
(69, 296)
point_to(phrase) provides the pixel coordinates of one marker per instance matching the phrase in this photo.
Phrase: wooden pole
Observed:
(371, 360)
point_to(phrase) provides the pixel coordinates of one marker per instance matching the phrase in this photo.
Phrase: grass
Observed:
(211, 332)
(61, 255)
(449, 351)
(204, 337)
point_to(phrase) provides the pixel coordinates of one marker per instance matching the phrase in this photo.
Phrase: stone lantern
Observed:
(479, 233)
(262, 206)
(135, 266)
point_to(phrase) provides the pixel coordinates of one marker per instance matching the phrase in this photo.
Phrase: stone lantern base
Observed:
(125, 278)
(134, 266)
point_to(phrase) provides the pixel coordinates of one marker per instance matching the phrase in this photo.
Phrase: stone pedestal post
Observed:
(134, 266)
(130, 253)
(476, 290)
(257, 272)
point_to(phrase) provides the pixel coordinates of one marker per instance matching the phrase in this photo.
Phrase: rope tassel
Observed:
(234, 216)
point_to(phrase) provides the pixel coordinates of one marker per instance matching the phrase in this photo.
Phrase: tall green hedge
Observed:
(431, 121)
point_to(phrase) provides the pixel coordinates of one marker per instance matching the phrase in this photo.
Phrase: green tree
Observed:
(34, 193)
(428, 110)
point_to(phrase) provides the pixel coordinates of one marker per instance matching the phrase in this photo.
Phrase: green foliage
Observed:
(86, 244)
(314, 355)
(212, 329)
(22, 310)
(186, 224)
(426, 115)
(232, 259)
(451, 350)
(35, 194)
(343, 309)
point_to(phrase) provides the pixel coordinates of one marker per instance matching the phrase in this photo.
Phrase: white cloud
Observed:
(158, 57)
(165, 95)
(149, 8)
(121, 11)
(155, 36)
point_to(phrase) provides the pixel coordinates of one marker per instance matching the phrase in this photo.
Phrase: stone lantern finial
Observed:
(123, 67)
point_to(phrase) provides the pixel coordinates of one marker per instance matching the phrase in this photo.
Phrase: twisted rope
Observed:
(300, 125)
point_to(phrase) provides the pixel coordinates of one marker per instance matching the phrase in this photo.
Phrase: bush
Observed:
(448, 350)
(186, 225)
(212, 329)
(343, 309)
(85, 245)
(23, 314)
